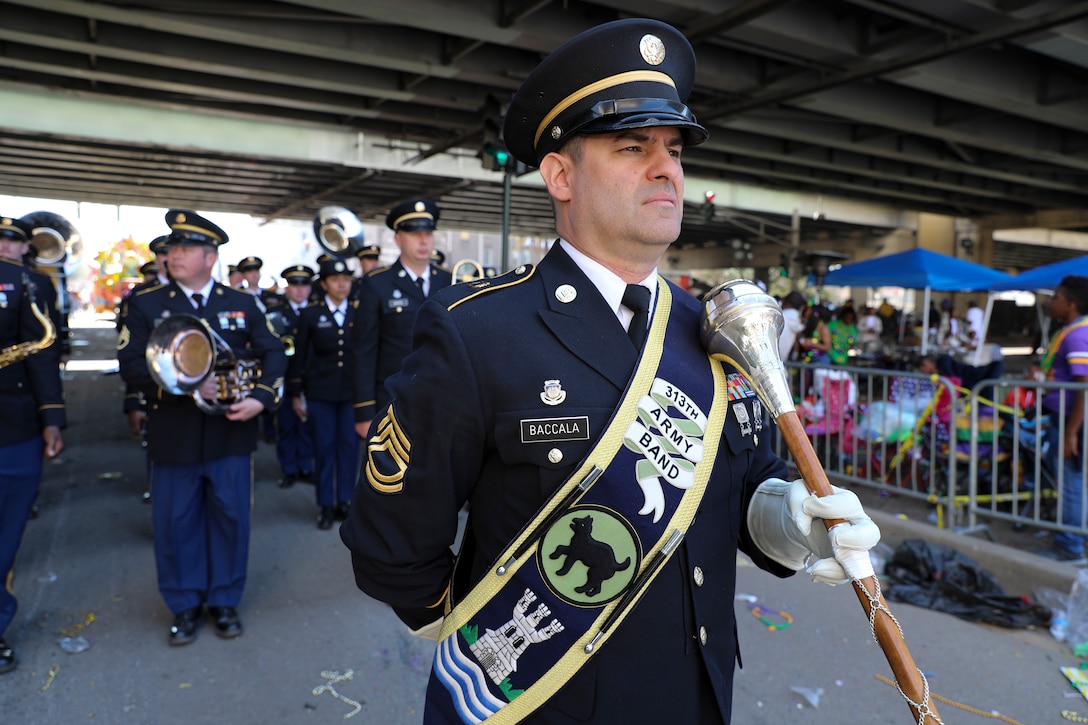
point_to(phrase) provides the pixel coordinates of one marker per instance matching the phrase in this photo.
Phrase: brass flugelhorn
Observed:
(741, 325)
(183, 351)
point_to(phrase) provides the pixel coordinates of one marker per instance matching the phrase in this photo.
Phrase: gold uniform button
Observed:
(340, 353)
(340, 364)
(703, 636)
(697, 574)
(555, 455)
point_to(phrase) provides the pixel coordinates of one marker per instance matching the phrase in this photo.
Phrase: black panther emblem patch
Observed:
(589, 556)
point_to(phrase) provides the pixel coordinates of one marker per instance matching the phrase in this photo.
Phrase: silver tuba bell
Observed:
(53, 237)
(338, 231)
(182, 351)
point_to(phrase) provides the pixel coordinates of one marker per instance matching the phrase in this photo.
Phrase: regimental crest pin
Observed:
(553, 393)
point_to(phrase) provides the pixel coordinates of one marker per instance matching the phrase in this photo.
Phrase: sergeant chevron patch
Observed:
(387, 455)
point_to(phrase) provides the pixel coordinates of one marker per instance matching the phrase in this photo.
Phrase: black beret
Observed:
(633, 73)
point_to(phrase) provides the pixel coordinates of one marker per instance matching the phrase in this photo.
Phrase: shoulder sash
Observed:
(579, 567)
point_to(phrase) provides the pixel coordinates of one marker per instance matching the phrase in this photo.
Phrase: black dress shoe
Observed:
(7, 657)
(324, 521)
(227, 624)
(305, 477)
(342, 510)
(288, 480)
(185, 625)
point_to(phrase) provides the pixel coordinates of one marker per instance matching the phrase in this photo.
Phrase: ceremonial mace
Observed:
(741, 325)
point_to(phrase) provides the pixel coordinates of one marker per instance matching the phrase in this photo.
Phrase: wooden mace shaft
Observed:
(887, 633)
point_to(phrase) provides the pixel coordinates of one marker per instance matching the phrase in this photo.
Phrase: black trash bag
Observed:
(938, 577)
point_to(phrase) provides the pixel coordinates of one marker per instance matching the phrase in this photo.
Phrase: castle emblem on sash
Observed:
(498, 650)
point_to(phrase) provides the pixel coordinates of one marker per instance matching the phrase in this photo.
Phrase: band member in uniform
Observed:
(202, 474)
(234, 277)
(133, 404)
(319, 384)
(294, 437)
(250, 268)
(150, 271)
(367, 255)
(388, 301)
(583, 383)
(33, 404)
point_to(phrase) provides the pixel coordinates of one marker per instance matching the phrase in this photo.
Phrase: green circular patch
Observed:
(589, 556)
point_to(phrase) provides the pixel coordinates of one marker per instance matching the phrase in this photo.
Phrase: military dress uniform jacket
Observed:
(455, 427)
(132, 400)
(322, 365)
(31, 396)
(179, 432)
(388, 303)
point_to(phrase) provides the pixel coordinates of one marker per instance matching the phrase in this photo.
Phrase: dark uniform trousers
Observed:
(294, 437)
(388, 303)
(30, 398)
(201, 472)
(322, 369)
(462, 421)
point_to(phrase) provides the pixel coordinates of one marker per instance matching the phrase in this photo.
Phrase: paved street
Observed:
(86, 569)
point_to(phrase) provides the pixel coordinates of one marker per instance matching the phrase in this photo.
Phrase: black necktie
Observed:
(198, 301)
(637, 299)
(419, 283)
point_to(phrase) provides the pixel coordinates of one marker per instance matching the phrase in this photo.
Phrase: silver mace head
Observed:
(741, 325)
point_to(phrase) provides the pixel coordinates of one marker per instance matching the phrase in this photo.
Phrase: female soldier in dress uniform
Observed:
(319, 384)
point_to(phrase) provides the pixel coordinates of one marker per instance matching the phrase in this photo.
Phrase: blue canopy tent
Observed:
(918, 269)
(1046, 277)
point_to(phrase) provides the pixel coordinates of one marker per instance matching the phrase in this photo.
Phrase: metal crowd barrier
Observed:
(967, 454)
(1036, 485)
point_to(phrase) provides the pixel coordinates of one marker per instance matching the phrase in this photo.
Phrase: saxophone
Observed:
(23, 350)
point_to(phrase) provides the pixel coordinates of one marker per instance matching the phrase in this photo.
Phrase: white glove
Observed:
(430, 631)
(780, 523)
